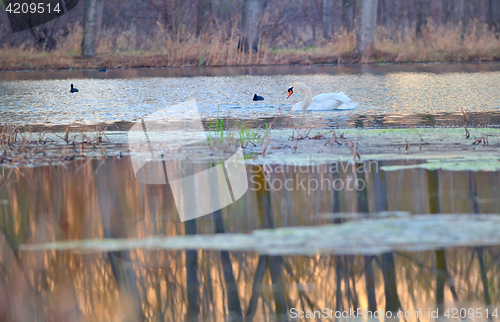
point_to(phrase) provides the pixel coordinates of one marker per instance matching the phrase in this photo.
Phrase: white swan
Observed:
(321, 102)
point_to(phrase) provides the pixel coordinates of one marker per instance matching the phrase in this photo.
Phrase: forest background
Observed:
(165, 33)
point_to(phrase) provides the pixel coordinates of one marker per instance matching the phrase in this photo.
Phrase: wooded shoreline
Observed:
(438, 45)
(113, 34)
(157, 61)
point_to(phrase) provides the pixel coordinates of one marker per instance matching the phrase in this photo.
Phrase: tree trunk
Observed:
(382, 13)
(397, 15)
(203, 10)
(440, 279)
(442, 274)
(91, 23)
(233, 298)
(192, 283)
(366, 40)
(327, 19)
(114, 226)
(461, 17)
(274, 264)
(494, 15)
(250, 39)
(448, 11)
(370, 283)
(348, 10)
(392, 302)
(423, 8)
(480, 251)
(367, 260)
(256, 288)
(100, 11)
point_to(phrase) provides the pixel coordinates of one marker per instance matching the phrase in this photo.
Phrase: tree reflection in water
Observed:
(86, 199)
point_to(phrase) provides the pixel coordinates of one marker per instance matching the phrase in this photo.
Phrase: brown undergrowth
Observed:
(119, 49)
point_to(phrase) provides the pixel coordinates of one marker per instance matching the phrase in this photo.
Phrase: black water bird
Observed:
(103, 70)
(257, 97)
(73, 90)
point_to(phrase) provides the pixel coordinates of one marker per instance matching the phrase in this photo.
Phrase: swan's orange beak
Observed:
(290, 92)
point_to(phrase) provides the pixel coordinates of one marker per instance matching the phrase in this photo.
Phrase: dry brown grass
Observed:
(117, 49)
(20, 147)
(440, 43)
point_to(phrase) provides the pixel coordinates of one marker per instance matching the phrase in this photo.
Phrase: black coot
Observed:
(257, 97)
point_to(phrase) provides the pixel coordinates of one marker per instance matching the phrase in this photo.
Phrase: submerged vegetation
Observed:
(21, 146)
(221, 135)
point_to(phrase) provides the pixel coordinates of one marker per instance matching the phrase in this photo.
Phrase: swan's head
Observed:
(290, 91)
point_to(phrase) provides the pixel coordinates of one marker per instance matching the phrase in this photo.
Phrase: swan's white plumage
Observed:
(322, 102)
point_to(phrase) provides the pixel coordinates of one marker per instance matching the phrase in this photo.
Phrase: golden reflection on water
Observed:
(424, 92)
(92, 199)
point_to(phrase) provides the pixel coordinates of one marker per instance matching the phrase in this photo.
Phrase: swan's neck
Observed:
(308, 99)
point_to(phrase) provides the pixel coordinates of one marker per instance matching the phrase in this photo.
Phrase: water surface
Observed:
(385, 94)
(94, 194)
(101, 198)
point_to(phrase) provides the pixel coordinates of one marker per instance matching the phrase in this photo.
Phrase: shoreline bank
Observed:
(157, 62)
(261, 70)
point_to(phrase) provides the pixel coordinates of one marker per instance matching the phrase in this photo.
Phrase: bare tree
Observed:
(192, 282)
(91, 23)
(113, 226)
(494, 15)
(327, 18)
(203, 11)
(366, 40)
(461, 17)
(348, 11)
(99, 14)
(382, 13)
(170, 19)
(423, 9)
(250, 37)
(448, 11)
